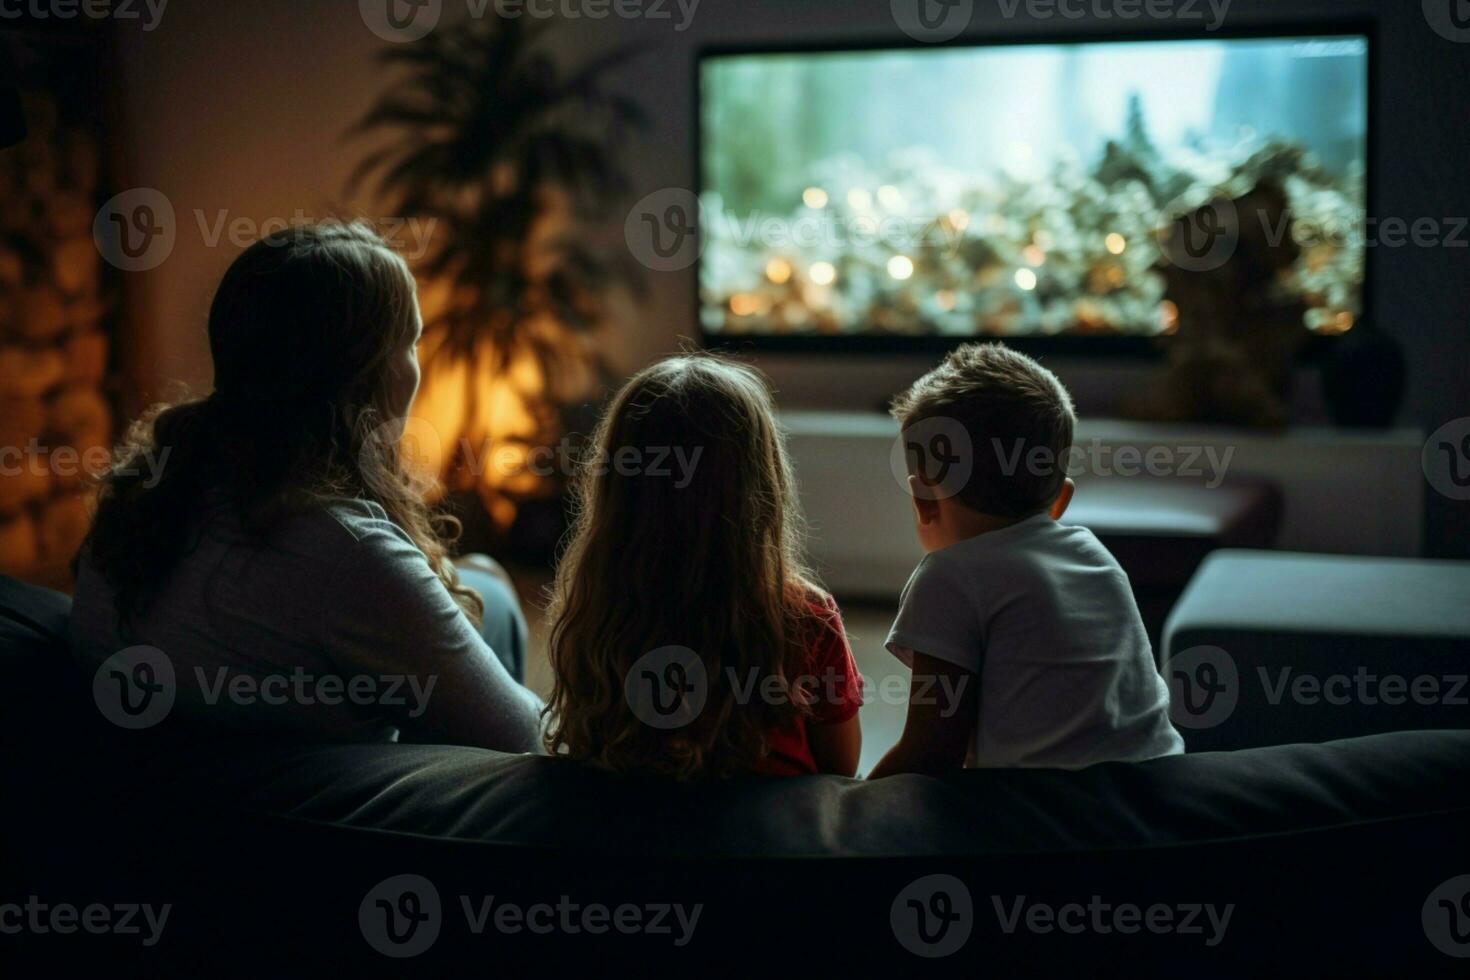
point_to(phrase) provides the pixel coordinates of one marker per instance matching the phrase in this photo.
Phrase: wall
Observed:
(241, 106)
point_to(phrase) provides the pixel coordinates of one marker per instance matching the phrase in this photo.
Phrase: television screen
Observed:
(1030, 189)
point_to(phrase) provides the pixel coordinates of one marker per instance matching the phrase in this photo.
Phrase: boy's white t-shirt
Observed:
(1044, 615)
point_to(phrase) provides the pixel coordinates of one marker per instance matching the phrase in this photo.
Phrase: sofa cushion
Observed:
(1303, 647)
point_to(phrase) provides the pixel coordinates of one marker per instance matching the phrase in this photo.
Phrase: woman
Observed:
(268, 541)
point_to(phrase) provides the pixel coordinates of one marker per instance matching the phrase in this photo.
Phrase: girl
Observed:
(684, 565)
(268, 541)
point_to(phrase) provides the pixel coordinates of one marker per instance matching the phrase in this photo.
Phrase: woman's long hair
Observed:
(686, 534)
(302, 331)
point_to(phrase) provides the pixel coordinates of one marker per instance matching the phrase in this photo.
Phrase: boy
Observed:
(1022, 633)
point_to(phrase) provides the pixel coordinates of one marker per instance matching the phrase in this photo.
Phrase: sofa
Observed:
(281, 858)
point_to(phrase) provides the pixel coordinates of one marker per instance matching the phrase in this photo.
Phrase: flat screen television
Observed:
(1038, 191)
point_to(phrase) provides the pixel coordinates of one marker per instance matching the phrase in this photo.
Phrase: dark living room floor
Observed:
(867, 625)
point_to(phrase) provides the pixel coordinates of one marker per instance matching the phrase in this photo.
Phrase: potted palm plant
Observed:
(505, 155)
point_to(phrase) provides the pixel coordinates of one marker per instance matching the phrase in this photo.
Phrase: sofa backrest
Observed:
(541, 802)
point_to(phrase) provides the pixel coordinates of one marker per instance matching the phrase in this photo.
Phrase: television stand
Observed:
(1343, 491)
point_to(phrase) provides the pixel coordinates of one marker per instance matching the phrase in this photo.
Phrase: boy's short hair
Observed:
(1018, 419)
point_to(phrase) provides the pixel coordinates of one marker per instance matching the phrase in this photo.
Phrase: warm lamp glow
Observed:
(900, 267)
(779, 271)
(473, 426)
(1116, 243)
(822, 273)
(1026, 279)
(814, 198)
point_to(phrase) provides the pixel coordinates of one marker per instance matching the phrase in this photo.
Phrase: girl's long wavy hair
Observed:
(301, 330)
(697, 545)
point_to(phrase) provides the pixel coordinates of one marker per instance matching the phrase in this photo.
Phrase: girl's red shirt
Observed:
(832, 684)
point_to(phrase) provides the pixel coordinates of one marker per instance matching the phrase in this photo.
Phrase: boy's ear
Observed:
(925, 509)
(1064, 497)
